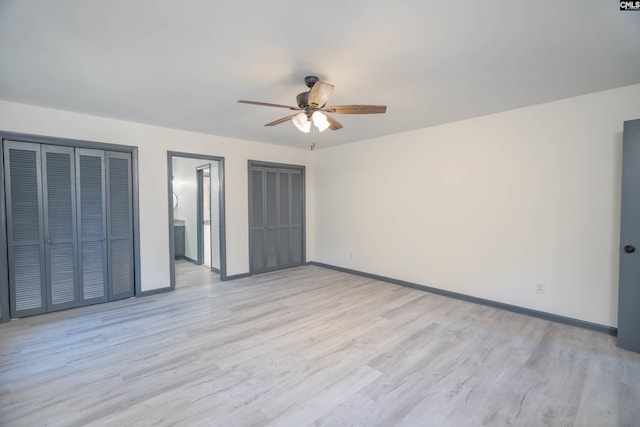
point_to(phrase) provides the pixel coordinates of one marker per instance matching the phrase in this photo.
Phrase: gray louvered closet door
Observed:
(58, 181)
(25, 229)
(69, 226)
(120, 225)
(92, 225)
(294, 223)
(276, 218)
(256, 219)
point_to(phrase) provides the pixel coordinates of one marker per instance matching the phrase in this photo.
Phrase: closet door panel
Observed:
(256, 219)
(296, 201)
(271, 217)
(26, 280)
(120, 235)
(25, 233)
(60, 227)
(93, 271)
(63, 289)
(284, 218)
(92, 225)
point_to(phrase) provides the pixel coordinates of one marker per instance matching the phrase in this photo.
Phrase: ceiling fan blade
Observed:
(356, 109)
(282, 120)
(333, 123)
(319, 94)
(268, 104)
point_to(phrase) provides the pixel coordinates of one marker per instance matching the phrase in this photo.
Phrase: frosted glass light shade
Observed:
(320, 120)
(301, 122)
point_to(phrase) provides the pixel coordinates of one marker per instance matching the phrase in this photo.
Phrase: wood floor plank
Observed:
(308, 346)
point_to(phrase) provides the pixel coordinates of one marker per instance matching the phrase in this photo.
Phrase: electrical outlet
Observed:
(540, 288)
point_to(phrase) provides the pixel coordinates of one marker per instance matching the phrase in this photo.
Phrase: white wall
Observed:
(153, 143)
(487, 207)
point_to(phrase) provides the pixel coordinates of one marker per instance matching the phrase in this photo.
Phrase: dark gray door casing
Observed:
(629, 282)
(199, 215)
(221, 207)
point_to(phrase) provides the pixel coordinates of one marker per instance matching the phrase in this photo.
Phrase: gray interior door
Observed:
(276, 218)
(92, 225)
(25, 228)
(120, 225)
(629, 282)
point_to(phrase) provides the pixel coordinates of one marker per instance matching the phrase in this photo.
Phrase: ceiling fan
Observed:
(313, 108)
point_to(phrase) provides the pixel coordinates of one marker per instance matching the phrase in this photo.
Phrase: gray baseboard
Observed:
(191, 260)
(609, 330)
(215, 270)
(236, 276)
(154, 292)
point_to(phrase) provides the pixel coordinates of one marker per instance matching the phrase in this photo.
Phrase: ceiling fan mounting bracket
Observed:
(311, 80)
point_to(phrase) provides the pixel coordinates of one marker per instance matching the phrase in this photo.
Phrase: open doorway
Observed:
(196, 218)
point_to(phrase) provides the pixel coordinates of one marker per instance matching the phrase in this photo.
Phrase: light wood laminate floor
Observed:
(309, 346)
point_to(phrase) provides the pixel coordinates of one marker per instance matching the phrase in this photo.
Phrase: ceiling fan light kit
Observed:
(303, 122)
(314, 110)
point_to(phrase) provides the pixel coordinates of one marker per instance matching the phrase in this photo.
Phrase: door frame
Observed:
(200, 175)
(221, 207)
(199, 216)
(75, 143)
(303, 185)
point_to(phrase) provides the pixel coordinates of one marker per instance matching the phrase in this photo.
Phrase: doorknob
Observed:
(629, 249)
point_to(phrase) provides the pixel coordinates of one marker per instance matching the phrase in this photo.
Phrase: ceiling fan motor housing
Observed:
(303, 99)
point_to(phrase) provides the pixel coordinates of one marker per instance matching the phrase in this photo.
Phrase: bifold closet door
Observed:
(25, 228)
(276, 218)
(92, 225)
(69, 226)
(263, 219)
(58, 197)
(290, 219)
(120, 225)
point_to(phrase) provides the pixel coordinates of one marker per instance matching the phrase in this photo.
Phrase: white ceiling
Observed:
(184, 64)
